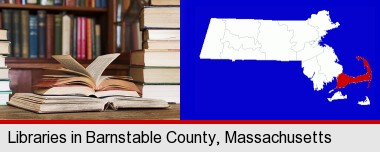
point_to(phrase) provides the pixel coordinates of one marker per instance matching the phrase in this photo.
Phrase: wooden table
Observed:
(9, 112)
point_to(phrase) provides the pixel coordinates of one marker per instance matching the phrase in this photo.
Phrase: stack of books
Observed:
(77, 3)
(83, 89)
(156, 68)
(43, 35)
(5, 90)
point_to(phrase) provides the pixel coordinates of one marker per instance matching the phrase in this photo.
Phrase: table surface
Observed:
(12, 113)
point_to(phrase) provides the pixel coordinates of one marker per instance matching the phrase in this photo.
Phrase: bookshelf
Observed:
(25, 72)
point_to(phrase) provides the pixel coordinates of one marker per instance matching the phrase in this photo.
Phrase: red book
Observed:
(79, 38)
(49, 35)
(83, 35)
(18, 1)
(70, 2)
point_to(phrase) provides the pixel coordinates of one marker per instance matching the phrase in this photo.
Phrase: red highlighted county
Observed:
(343, 79)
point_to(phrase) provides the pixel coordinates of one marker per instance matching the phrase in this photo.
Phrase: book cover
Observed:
(66, 31)
(41, 33)
(16, 39)
(25, 33)
(33, 36)
(50, 34)
(58, 34)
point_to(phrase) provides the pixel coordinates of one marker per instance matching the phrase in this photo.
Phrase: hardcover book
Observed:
(25, 33)
(50, 35)
(58, 104)
(33, 36)
(165, 2)
(16, 36)
(41, 33)
(155, 75)
(58, 34)
(86, 81)
(160, 17)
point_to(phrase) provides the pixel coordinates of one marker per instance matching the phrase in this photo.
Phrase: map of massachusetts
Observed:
(283, 41)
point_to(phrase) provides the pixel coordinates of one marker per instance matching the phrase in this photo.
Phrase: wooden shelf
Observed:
(54, 8)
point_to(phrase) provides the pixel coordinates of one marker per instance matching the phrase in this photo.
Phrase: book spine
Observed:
(84, 40)
(46, 2)
(18, 1)
(92, 3)
(33, 36)
(49, 35)
(58, 34)
(57, 2)
(93, 38)
(70, 3)
(104, 3)
(88, 39)
(79, 37)
(41, 33)
(7, 24)
(25, 33)
(97, 40)
(31, 1)
(98, 3)
(66, 24)
(16, 33)
(74, 37)
(23, 2)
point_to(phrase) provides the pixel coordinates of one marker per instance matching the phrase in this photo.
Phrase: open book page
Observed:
(70, 63)
(97, 67)
(68, 71)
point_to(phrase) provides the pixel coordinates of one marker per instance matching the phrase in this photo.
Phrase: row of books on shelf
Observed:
(77, 3)
(43, 35)
(5, 90)
(156, 68)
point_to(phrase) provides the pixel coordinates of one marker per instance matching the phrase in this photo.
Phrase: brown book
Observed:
(164, 2)
(50, 35)
(70, 2)
(88, 39)
(25, 33)
(162, 44)
(160, 17)
(58, 104)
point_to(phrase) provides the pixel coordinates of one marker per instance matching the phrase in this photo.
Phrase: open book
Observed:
(86, 81)
(57, 104)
